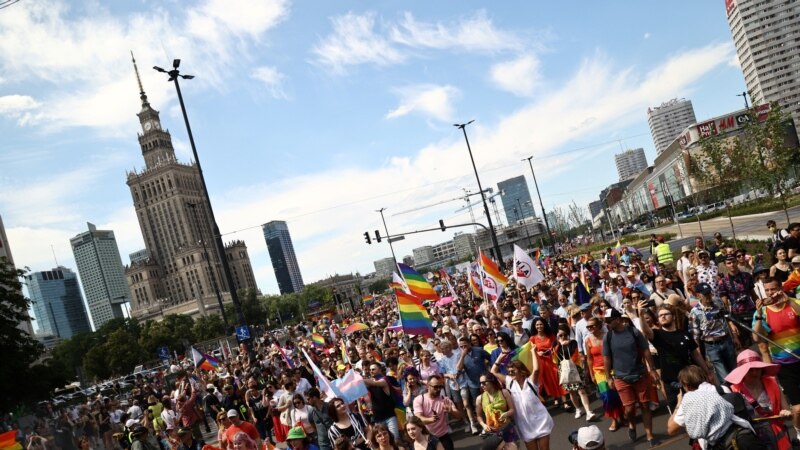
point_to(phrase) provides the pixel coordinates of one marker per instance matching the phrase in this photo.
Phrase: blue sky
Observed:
(321, 112)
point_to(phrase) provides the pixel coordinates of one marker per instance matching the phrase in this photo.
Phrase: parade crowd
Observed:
(712, 336)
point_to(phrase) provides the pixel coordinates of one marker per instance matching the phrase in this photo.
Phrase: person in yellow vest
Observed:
(663, 252)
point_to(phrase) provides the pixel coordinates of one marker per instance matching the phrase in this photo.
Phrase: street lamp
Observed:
(193, 207)
(174, 74)
(385, 228)
(523, 217)
(463, 127)
(539, 194)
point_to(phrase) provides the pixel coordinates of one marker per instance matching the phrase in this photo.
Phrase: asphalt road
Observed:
(565, 423)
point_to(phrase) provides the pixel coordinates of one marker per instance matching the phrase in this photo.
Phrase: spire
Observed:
(142, 95)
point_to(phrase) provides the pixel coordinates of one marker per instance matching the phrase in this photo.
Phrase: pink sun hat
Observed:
(746, 360)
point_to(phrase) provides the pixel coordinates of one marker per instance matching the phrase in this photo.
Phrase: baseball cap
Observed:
(733, 258)
(130, 423)
(210, 387)
(796, 260)
(182, 431)
(590, 437)
(296, 433)
(703, 288)
(613, 313)
(138, 429)
(585, 306)
(703, 252)
(232, 413)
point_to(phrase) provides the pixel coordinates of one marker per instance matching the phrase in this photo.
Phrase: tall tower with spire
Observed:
(184, 266)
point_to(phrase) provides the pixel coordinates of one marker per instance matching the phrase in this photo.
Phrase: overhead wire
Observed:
(446, 180)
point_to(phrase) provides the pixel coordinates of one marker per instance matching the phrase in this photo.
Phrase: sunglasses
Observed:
(590, 327)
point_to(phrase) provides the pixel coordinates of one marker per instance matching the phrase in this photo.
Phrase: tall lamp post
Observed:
(539, 194)
(385, 228)
(193, 206)
(463, 127)
(520, 215)
(174, 74)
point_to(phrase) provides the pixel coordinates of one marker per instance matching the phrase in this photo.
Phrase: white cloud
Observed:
(473, 34)
(519, 76)
(272, 80)
(96, 85)
(15, 104)
(355, 42)
(357, 39)
(429, 100)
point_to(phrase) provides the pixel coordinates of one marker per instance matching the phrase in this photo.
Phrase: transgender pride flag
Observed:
(351, 386)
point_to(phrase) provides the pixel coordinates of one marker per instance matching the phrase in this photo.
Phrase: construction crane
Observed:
(466, 196)
(489, 199)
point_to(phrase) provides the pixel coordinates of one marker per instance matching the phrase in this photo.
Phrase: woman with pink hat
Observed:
(755, 380)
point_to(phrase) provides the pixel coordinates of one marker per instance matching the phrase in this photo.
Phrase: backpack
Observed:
(739, 404)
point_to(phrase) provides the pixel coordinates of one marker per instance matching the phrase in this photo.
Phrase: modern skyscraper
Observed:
(284, 260)
(57, 303)
(766, 37)
(668, 120)
(630, 163)
(102, 274)
(184, 264)
(5, 252)
(516, 199)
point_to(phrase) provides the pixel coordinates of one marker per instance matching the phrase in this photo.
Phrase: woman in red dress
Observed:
(544, 341)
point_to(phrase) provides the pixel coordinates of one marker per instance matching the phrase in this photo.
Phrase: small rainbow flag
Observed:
(537, 255)
(203, 361)
(8, 441)
(356, 327)
(367, 299)
(523, 354)
(317, 340)
(413, 315)
(491, 269)
(417, 284)
(343, 348)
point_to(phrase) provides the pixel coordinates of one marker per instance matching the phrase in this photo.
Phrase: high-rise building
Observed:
(767, 39)
(423, 255)
(5, 252)
(668, 120)
(516, 199)
(57, 303)
(281, 252)
(184, 265)
(630, 163)
(465, 245)
(595, 207)
(384, 268)
(139, 256)
(102, 274)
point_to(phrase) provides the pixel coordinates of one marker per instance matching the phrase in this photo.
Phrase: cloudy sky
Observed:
(321, 112)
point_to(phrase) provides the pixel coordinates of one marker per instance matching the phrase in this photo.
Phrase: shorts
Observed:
(789, 377)
(631, 394)
(454, 395)
(470, 394)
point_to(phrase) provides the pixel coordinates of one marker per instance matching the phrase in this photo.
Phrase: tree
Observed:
(124, 352)
(20, 350)
(770, 153)
(208, 327)
(379, 286)
(95, 363)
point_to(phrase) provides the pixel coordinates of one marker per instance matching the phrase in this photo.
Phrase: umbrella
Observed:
(444, 301)
(355, 327)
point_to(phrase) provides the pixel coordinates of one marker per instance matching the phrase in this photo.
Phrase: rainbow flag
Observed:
(343, 349)
(475, 280)
(413, 315)
(537, 256)
(8, 441)
(491, 269)
(317, 340)
(417, 284)
(203, 361)
(523, 353)
(367, 299)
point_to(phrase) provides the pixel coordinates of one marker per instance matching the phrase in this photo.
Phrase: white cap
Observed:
(130, 423)
(590, 437)
(232, 413)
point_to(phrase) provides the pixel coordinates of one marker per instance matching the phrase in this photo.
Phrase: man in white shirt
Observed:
(614, 295)
(684, 263)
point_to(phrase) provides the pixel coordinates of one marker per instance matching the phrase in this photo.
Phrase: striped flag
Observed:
(446, 277)
(523, 354)
(493, 280)
(475, 280)
(367, 299)
(324, 384)
(398, 283)
(417, 284)
(318, 340)
(351, 386)
(203, 361)
(413, 316)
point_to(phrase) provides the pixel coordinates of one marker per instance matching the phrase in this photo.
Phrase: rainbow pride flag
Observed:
(417, 284)
(8, 441)
(491, 269)
(368, 299)
(537, 256)
(203, 361)
(523, 354)
(413, 315)
(317, 340)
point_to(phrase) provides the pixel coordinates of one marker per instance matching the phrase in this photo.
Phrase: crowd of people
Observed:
(639, 333)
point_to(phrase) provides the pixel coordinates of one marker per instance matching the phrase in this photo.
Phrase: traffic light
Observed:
(441, 224)
(366, 237)
(377, 236)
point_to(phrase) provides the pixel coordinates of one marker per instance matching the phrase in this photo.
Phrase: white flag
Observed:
(398, 280)
(526, 272)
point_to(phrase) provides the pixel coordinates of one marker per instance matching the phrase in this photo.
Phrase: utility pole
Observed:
(385, 228)
(541, 204)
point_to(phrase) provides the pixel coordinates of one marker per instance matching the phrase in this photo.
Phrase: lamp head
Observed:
(176, 63)
(159, 69)
(187, 77)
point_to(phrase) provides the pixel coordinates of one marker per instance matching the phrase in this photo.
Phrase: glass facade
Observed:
(516, 199)
(281, 252)
(57, 303)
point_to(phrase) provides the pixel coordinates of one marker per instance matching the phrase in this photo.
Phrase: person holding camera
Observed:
(776, 317)
(708, 417)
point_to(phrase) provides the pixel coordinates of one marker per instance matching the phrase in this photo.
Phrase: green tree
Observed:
(770, 156)
(208, 327)
(174, 332)
(124, 352)
(95, 363)
(379, 285)
(21, 352)
(69, 353)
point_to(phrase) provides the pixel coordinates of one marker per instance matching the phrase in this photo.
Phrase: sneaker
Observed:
(578, 413)
(475, 430)
(591, 416)
(632, 434)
